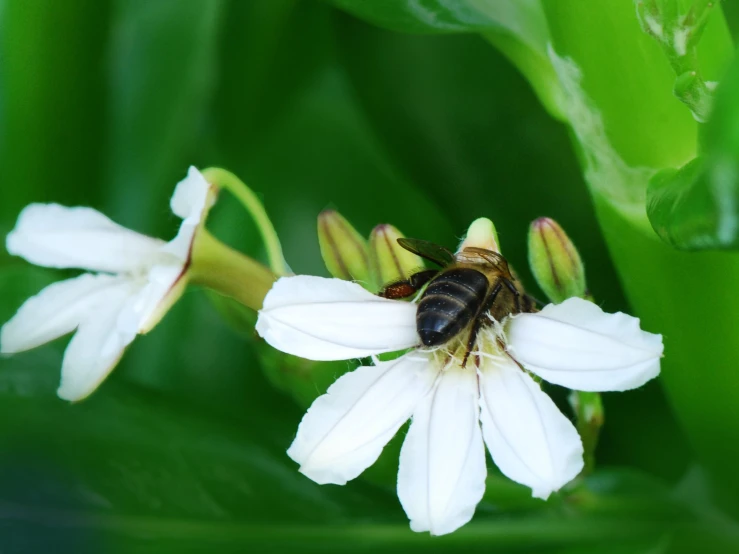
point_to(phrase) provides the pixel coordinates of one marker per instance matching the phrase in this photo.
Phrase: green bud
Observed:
(390, 261)
(481, 234)
(555, 262)
(343, 249)
(693, 91)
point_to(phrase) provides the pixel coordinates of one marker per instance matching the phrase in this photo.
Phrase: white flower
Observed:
(442, 462)
(137, 278)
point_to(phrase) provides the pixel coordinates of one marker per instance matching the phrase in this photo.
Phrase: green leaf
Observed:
(269, 52)
(52, 107)
(679, 203)
(161, 73)
(316, 150)
(518, 28)
(524, 18)
(130, 464)
(697, 206)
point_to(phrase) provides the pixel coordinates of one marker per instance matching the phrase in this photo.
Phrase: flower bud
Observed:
(481, 234)
(390, 261)
(343, 249)
(555, 262)
(693, 91)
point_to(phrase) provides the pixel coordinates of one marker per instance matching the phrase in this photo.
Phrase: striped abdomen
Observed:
(449, 304)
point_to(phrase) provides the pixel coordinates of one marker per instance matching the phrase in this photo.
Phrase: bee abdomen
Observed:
(449, 303)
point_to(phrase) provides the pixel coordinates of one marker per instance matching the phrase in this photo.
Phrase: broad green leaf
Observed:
(318, 151)
(518, 28)
(129, 464)
(646, 130)
(697, 206)
(268, 54)
(523, 19)
(161, 70)
(52, 102)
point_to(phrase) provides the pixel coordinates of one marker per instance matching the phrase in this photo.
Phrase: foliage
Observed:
(425, 115)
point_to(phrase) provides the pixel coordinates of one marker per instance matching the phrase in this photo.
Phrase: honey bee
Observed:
(470, 286)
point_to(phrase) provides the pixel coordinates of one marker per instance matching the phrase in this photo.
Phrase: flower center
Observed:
(489, 343)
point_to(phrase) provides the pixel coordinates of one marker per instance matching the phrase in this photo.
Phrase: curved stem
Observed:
(227, 180)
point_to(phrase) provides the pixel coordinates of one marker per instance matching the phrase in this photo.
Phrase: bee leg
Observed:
(517, 295)
(408, 287)
(531, 303)
(477, 323)
(419, 279)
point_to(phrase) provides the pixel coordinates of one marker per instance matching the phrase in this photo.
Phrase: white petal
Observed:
(97, 345)
(191, 201)
(528, 437)
(191, 195)
(165, 279)
(56, 236)
(331, 319)
(55, 311)
(164, 285)
(345, 430)
(442, 463)
(577, 345)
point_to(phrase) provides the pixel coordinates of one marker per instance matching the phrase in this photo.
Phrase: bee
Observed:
(470, 286)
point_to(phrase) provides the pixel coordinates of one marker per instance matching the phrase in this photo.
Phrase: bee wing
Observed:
(489, 256)
(432, 252)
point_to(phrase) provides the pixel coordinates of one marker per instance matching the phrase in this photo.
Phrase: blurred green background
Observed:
(107, 102)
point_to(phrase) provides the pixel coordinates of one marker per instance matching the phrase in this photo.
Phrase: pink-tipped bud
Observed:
(343, 249)
(390, 261)
(555, 262)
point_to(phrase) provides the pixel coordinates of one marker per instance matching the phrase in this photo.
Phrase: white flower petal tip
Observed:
(442, 462)
(332, 319)
(192, 199)
(529, 439)
(577, 345)
(193, 196)
(51, 235)
(55, 311)
(97, 346)
(345, 430)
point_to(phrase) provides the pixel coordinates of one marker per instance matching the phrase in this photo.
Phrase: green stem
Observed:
(678, 33)
(227, 180)
(223, 269)
(588, 408)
